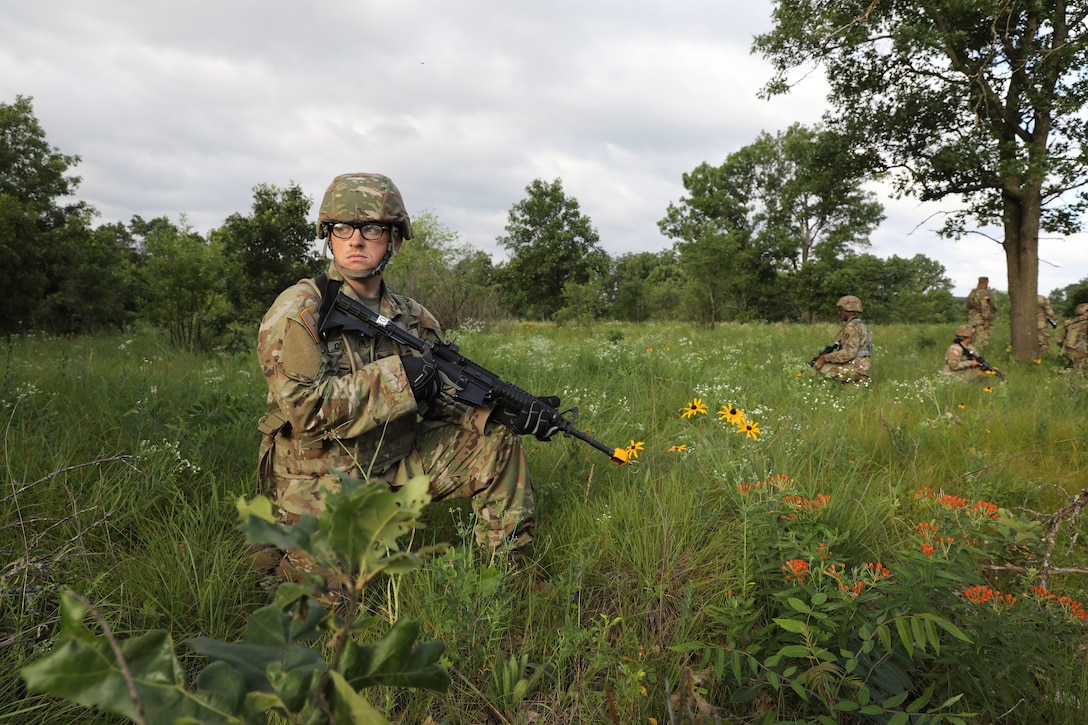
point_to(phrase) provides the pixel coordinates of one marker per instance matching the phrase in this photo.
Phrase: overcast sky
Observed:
(181, 108)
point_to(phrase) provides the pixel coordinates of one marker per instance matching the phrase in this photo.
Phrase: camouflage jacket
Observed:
(1073, 337)
(980, 306)
(856, 341)
(341, 403)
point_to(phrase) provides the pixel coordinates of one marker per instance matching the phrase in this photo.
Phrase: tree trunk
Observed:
(1021, 219)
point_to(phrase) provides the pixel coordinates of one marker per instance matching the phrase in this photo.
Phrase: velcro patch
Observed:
(301, 356)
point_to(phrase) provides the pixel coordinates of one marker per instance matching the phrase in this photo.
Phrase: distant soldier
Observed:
(1073, 339)
(849, 358)
(960, 360)
(981, 312)
(1046, 320)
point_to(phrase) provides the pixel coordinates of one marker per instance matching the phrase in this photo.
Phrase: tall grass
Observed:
(122, 458)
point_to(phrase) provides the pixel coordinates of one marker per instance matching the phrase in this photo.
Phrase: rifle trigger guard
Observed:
(573, 410)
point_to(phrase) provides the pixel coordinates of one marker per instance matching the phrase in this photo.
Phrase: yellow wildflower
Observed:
(694, 407)
(634, 447)
(750, 429)
(732, 413)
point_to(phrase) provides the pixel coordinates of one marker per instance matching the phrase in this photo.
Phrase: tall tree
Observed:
(35, 191)
(184, 280)
(551, 244)
(977, 100)
(771, 207)
(267, 250)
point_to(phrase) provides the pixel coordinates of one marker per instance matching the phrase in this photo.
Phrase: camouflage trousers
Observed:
(1078, 359)
(1044, 341)
(854, 371)
(490, 468)
(981, 339)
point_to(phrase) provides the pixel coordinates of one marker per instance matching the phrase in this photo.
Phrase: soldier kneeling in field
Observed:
(960, 360)
(849, 358)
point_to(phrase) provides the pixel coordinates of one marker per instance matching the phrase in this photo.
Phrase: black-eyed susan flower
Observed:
(961, 406)
(678, 449)
(695, 407)
(634, 448)
(1038, 361)
(988, 389)
(731, 413)
(750, 429)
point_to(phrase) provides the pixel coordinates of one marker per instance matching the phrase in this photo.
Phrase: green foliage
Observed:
(979, 102)
(183, 281)
(275, 667)
(266, 251)
(454, 280)
(550, 244)
(34, 181)
(765, 213)
(639, 576)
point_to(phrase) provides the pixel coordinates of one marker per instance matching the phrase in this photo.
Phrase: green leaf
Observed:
(395, 660)
(271, 639)
(794, 650)
(791, 625)
(885, 636)
(871, 710)
(846, 706)
(798, 605)
(895, 700)
(899, 718)
(905, 636)
(819, 598)
(348, 706)
(918, 631)
(922, 700)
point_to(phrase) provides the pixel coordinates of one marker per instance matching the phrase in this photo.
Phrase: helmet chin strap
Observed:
(366, 273)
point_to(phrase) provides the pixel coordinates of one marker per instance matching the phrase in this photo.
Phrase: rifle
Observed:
(476, 385)
(826, 351)
(972, 355)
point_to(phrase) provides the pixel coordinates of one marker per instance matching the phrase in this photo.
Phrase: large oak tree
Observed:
(978, 100)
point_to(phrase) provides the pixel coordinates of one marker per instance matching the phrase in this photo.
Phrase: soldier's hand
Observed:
(422, 375)
(537, 420)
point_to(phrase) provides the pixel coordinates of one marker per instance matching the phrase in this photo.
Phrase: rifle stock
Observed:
(475, 385)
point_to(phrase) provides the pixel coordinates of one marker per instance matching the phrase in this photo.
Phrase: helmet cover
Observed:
(363, 197)
(850, 303)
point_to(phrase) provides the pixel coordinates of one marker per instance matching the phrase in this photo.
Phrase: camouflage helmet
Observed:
(965, 331)
(1081, 308)
(363, 197)
(850, 303)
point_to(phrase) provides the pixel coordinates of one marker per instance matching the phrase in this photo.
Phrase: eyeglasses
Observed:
(369, 230)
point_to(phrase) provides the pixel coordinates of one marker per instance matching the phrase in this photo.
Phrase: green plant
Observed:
(295, 659)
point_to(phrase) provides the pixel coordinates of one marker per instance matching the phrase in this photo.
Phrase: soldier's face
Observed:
(356, 254)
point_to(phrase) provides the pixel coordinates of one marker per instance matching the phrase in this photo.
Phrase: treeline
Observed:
(775, 233)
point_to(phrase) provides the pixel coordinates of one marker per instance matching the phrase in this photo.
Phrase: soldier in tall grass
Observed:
(850, 361)
(958, 360)
(344, 403)
(1073, 339)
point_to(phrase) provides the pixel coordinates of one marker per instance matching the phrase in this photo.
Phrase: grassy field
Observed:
(728, 576)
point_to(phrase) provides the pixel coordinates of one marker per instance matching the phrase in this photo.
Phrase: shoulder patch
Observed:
(301, 355)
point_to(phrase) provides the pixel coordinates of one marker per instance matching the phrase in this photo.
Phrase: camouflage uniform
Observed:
(852, 361)
(981, 312)
(956, 362)
(1073, 339)
(345, 404)
(1044, 312)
